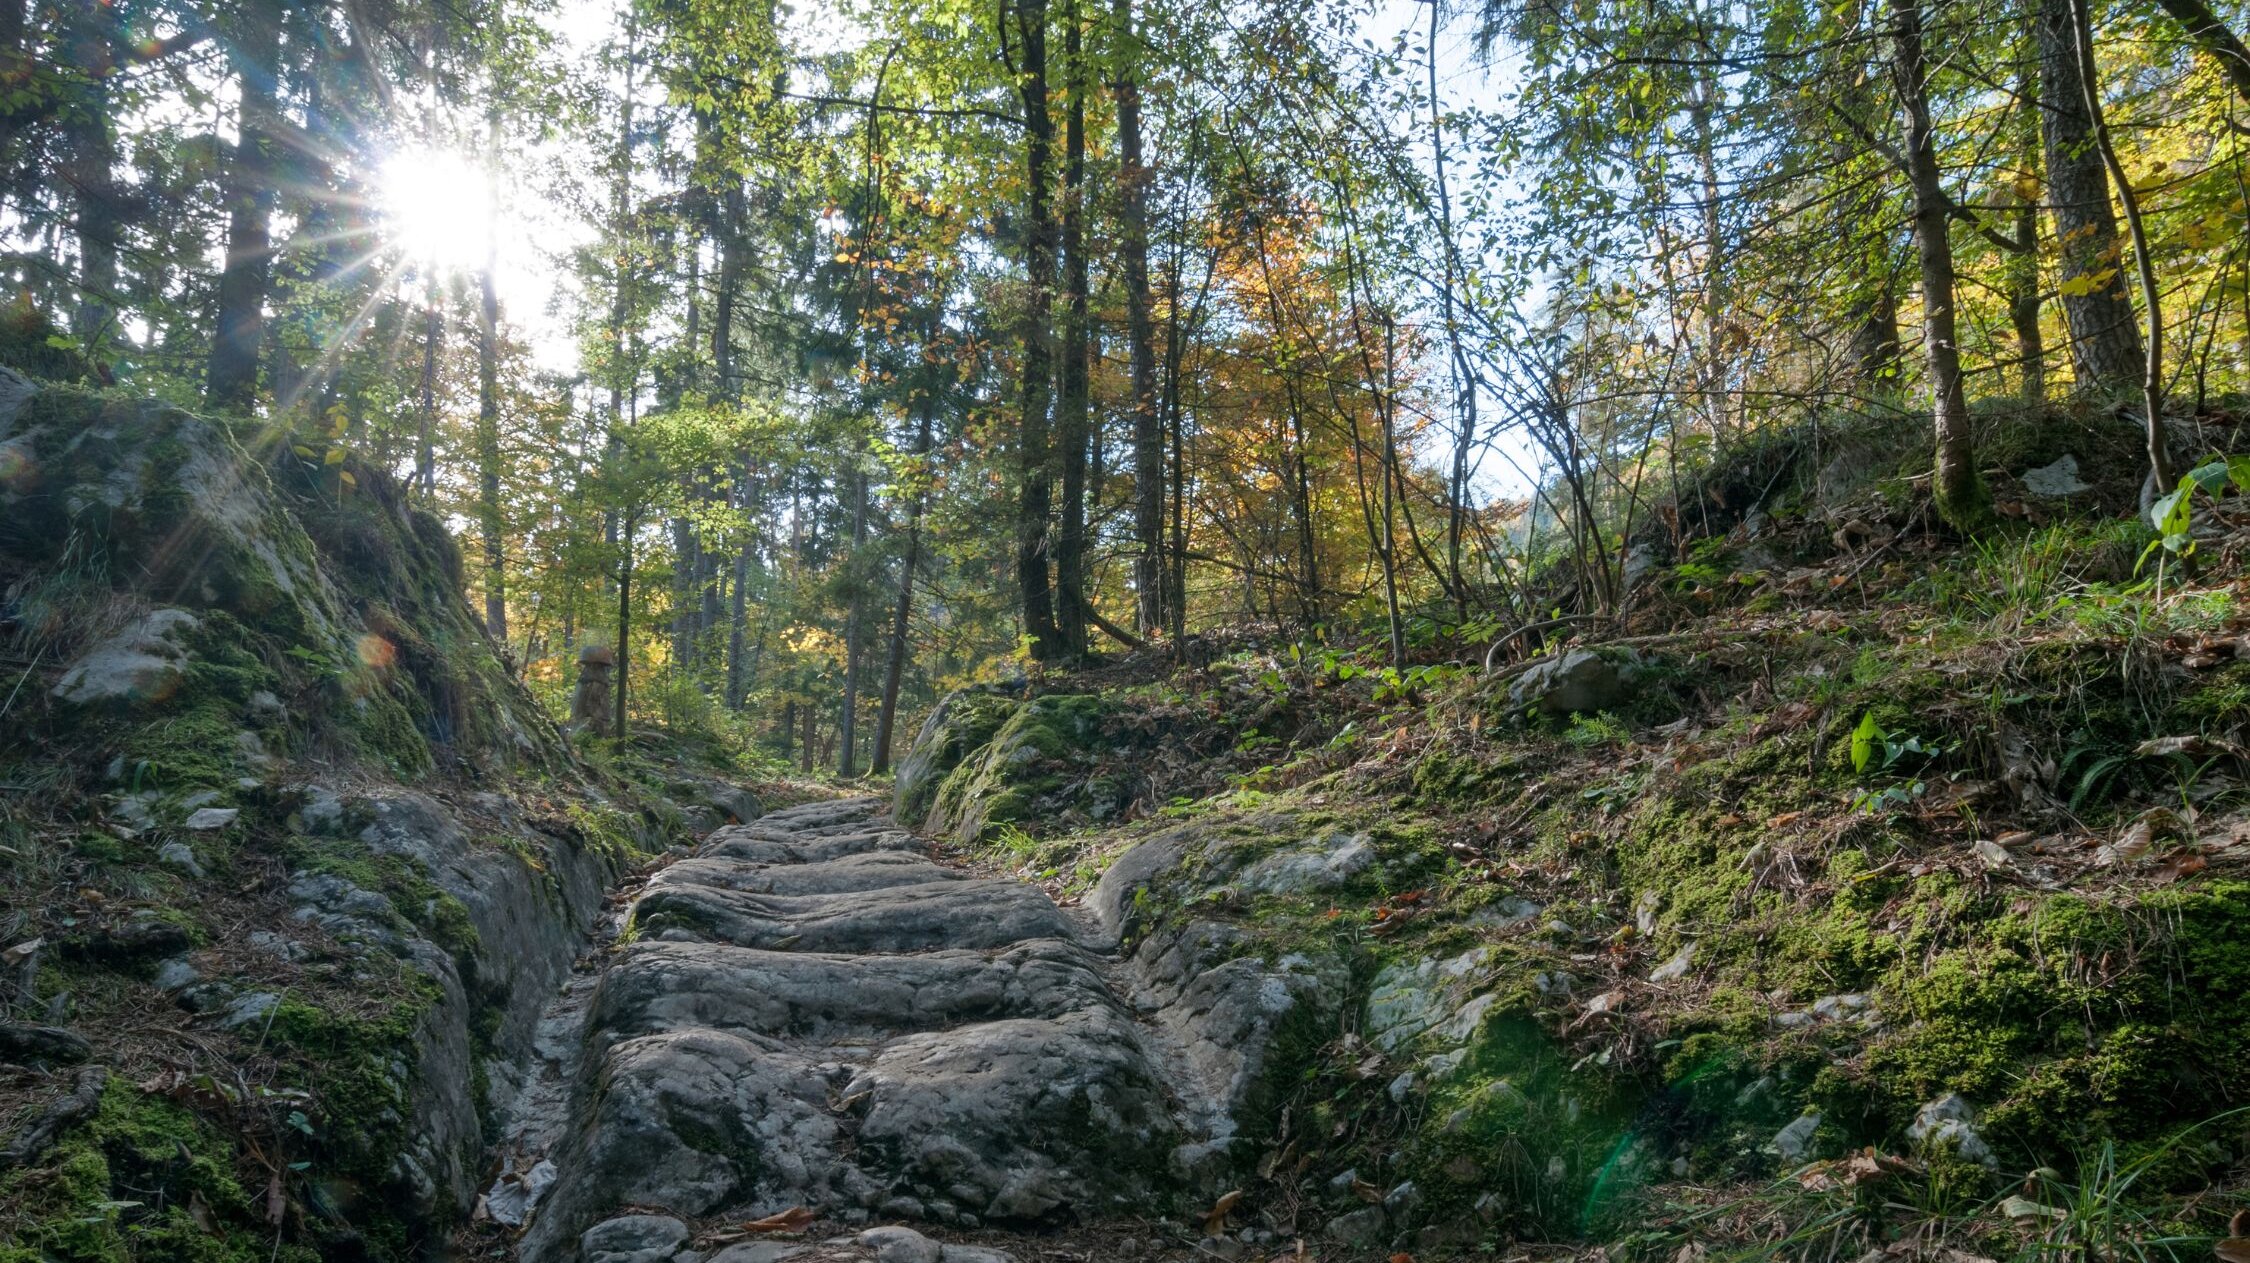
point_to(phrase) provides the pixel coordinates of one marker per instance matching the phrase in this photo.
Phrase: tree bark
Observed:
(488, 407)
(847, 728)
(1962, 500)
(1140, 329)
(624, 616)
(2105, 348)
(2207, 32)
(2023, 265)
(1072, 421)
(90, 167)
(1034, 457)
(231, 373)
(2152, 302)
(894, 670)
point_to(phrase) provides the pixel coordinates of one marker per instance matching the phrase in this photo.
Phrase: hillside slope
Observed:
(291, 861)
(1858, 882)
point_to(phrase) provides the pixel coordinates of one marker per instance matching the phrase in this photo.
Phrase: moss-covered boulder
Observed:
(1047, 761)
(961, 724)
(176, 564)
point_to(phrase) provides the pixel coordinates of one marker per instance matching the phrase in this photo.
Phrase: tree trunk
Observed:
(2207, 32)
(1962, 500)
(2023, 265)
(231, 374)
(847, 728)
(1034, 458)
(624, 615)
(90, 169)
(425, 441)
(1874, 348)
(488, 408)
(894, 670)
(1140, 331)
(1071, 424)
(2105, 348)
(2152, 302)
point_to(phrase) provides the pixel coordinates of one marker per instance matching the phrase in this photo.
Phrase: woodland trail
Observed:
(814, 1014)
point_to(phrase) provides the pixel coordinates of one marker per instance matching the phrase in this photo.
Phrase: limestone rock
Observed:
(1324, 863)
(1578, 681)
(633, 1239)
(2057, 480)
(207, 819)
(180, 857)
(1362, 1228)
(894, 1244)
(142, 664)
(1794, 1143)
(1949, 1123)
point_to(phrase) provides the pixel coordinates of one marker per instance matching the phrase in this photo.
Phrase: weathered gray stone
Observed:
(2056, 480)
(180, 857)
(1324, 863)
(1577, 681)
(633, 1239)
(207, 819)
(972, 913)
(896, 1244)
(1794, 1143)
(1362, 1227)
(144, 663)
(1949, 1123)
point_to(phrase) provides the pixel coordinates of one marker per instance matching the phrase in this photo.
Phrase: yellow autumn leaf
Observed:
(335, 456)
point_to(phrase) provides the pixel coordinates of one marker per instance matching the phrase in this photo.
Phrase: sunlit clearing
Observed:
(436, 208)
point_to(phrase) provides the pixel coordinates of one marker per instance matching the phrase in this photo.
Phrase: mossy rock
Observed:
(1037, 765)
(962, 723)
(144, 1178)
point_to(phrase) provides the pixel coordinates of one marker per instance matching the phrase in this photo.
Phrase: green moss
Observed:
(417, 901)
(144, 1179)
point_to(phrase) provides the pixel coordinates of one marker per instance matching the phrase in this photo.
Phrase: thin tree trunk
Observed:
(231, 374)
(1962, 500)
(2208, 33)
(425, 440)
(1464, 381)
(1071, 423)
(894, 669)
(1140, 329)
(1034, 455)
(624, 616)
(488, 406)
(2152, 302)
(2105, 348)
(90, 167)
(847, 728)
(2023, 265)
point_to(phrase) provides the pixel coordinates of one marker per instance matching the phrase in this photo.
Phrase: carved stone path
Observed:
(812, 1013)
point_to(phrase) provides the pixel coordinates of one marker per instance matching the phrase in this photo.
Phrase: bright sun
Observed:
(436, 208)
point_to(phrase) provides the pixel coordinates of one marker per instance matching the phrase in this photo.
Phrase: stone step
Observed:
(654, 988)
(971, 913)
(870, 870)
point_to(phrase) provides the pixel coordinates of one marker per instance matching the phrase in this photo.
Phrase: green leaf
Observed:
(1863, 741)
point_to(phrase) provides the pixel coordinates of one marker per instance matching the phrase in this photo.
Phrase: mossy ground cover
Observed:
(2030, 887)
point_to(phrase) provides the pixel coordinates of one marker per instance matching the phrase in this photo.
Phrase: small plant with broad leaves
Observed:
(2173, 514)
(1874, 750)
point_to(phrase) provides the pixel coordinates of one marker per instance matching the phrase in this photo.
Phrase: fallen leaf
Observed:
(1402, 1257)
(1366, 1192)
(2233, 1249)
(15, 955)
(794, 1219)
(2181, 866)
(277, 1200)
(1993, 854)
(1215, 1219)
